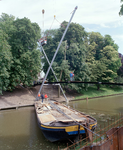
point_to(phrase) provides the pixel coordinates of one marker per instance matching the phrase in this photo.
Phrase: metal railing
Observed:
(115, 122)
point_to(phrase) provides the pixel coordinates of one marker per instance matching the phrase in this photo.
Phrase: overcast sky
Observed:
(94, 15)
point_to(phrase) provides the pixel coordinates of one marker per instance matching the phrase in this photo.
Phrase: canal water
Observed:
(19, 129)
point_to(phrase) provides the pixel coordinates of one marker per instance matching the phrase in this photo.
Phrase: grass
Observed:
(104, 91)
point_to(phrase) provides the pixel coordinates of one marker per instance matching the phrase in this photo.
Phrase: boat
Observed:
(56, 120)
(61, 122)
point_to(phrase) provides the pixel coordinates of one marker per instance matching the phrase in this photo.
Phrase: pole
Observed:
(56, 52)
(69, 117)
(53, 73)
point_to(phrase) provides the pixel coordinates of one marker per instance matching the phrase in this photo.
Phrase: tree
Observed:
(77, 58)
(120, 70)
(22, 37)
(62, 67)
(71, 55)
(121, 9)
(51, 32)
(102, 58)
(112, 62)
(75, 33)
(23, 41)
(95, 38)
(109, 41)
(5, 61)
(89, 55)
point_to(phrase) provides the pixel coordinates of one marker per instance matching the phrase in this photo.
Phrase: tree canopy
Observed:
(90, 56)
(102, 57)
(71, 55)
(5, 61)
(21, 45)
(121, 9)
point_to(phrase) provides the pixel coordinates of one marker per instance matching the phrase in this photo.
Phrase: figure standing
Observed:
(45, 96)
(39, 96)
(42, 97)
(71, 75)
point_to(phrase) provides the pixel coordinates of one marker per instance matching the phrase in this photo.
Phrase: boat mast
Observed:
(56, 51)
(53, 72)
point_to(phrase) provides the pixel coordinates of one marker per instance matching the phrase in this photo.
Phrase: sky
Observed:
(94, 15)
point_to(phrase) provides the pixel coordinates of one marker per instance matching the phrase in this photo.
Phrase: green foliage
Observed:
(51, 32)
(5, 61)
(102, 57)
(75, 33)
(112, 63)
(121, 9)
(90, 56)
(71, 55)
(22, 38)
(62, 67)
(119, 79)
(104, 91)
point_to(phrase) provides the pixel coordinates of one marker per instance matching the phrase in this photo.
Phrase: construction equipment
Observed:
(43, 40)
(56, 51)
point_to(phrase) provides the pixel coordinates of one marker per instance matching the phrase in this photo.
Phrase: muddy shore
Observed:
(21, 97)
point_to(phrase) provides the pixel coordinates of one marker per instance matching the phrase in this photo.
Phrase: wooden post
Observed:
(58, 91)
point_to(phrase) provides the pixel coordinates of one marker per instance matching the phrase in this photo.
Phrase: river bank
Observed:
(92, 92)
(22, 97)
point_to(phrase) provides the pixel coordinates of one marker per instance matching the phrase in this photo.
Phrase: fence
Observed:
(110, 137)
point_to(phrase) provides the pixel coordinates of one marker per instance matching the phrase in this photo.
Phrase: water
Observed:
(19, 129)
(112, 104)
(106, 110)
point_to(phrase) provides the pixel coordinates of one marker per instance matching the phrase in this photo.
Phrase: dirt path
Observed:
(26, 96)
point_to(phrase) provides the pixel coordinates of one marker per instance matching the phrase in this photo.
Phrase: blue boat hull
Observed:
(57, 134)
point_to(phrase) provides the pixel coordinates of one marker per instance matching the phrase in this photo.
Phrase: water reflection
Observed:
(19, 129)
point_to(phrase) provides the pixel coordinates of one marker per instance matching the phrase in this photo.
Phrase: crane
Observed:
(43, 40)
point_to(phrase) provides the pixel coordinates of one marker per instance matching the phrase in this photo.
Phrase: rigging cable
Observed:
(59, 22)
(43, 20)
(50, 26)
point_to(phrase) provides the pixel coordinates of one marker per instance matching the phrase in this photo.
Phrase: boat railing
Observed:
(88, 130)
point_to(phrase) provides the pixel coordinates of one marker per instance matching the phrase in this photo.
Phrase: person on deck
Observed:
(42, 97)
(45, 96)
(39, 96)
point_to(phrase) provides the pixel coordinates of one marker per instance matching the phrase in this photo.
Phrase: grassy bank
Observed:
(104, 91)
